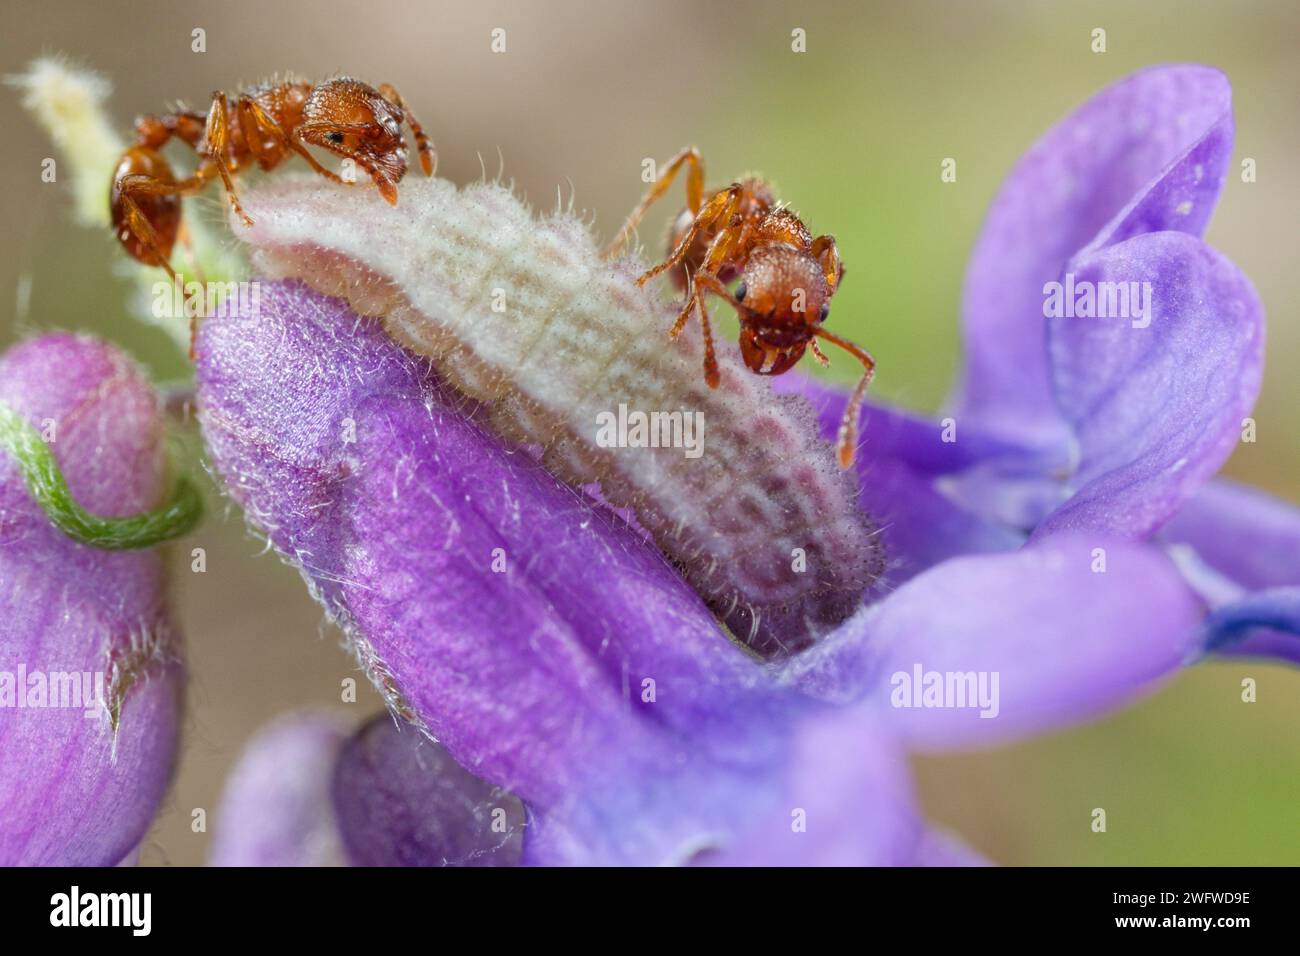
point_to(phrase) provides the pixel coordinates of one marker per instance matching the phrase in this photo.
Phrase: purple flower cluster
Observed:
(1066, 551)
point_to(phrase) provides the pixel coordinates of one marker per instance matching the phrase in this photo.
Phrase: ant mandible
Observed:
(787, 277)
(270, 123)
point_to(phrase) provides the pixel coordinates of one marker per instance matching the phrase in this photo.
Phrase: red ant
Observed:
(786, 277)
(270, 122)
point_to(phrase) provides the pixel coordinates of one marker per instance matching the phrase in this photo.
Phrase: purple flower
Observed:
(552, 651)
(307, 792)
(90, 674)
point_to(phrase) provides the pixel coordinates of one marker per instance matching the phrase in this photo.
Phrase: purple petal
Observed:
(1242, 533)
(1128, 161)
(1262, 624)
(307, 792)
(898, 460)
(1156, 409)
(1008, 496)
(942, 849)
(402, 801)
(1252, 541)
(914, 440)
(579, 665)
(277, 807)
(74, 790)
(1062, 641)
(919, 526)
(845, 799)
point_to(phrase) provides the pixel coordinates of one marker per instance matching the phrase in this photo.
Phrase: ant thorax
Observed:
(523, 315)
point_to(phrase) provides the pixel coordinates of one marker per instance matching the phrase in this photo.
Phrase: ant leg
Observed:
(827, 253)
(264, 122)
(700, 286)
(139, 224)
(694, 195)
(685, 314)
(694, 298)
(718, 209)
(136, 220)
(706, 280)
(428, 155)
(847, 441)
(217, 134)
(711, 283)
(144, 231)
(719, 251)
(711, 374)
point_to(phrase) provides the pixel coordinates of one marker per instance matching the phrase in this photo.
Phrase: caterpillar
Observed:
(521, 313)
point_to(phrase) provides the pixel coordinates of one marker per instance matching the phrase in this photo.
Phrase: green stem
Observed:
(47, 485)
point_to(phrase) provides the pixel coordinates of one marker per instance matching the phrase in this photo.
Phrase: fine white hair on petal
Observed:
(521, 313)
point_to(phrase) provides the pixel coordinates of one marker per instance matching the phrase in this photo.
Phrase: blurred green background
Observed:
(852, 132)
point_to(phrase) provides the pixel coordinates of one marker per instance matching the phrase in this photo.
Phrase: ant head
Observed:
(352, 120)
(784, 293)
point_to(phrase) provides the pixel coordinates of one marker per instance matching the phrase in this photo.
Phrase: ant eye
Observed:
(740, 292)
(826, 310)
(335, 137)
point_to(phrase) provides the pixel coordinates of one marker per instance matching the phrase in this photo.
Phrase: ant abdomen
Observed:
(159, 212)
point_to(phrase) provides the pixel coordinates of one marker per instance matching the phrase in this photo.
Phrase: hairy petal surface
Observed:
(79, 785)
(545, 643)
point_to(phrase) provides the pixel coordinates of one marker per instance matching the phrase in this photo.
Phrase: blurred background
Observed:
(852, 132)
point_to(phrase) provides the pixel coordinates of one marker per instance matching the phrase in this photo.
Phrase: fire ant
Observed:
(787, 277)
(270, 122)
